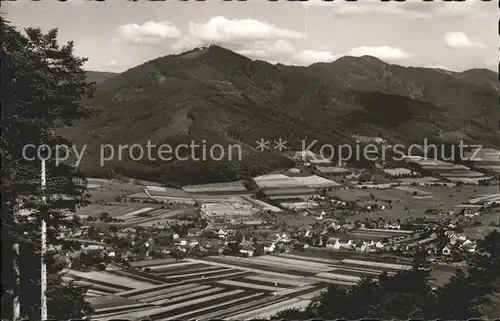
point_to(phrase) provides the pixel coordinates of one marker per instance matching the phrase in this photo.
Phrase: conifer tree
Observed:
(43, 86)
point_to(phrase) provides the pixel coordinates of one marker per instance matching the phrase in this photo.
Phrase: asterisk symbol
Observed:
(262, 144)
(280, 144)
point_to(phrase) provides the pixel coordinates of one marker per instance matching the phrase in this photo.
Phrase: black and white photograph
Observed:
(250, 160)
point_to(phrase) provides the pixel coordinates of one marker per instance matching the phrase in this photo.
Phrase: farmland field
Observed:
(203, 290)
(289, 191)
(141, 195)
(135, 213)
(215, 198)
(299, 205)
(178, 200)
(463, 174)
(117, 210)
(331, 169)
(275, 181)
(282, 184)
(467, 180)
(418, 180)
(405, 205)
(156, 216)
(228, 208)
(262, 204)
(398, 171)
(228, 187)
(315, 181)
(412, 190)
(484, 198)
(166, 191)
(229, 288)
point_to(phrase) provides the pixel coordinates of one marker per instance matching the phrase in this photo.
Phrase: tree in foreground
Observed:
(43, 85)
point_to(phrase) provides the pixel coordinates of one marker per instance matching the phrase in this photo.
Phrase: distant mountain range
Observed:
(217, 95)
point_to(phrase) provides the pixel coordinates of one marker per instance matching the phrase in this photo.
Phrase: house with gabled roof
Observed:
(269, 247)
(222, 234)
(248, 249)
(333, 243)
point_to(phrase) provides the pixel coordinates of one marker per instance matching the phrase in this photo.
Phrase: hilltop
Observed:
(217, 95)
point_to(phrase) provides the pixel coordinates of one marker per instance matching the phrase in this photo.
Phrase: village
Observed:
(321, 224)
(166, 160)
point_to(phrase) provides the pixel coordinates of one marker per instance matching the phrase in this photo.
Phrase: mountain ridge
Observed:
(222, 97)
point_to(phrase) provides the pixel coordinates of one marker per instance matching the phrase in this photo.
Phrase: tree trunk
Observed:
(16, 306)
(10, 249)
(10, 266)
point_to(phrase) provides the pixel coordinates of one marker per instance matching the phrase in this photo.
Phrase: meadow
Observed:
(404, 204)
(108, 190)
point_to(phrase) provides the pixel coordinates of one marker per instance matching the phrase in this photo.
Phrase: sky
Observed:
(117, 35)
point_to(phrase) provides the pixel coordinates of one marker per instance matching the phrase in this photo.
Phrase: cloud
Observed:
(308, 57)
(148, 33)
(249, 37)
(267, 49)
(470, 9)
(437, 66)
(385, 53)
(391, 8)
(264, 41)
(460, 40)
(220, 30)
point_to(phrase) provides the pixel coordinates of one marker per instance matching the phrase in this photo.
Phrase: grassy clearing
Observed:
(140, 195)
(108, 191)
